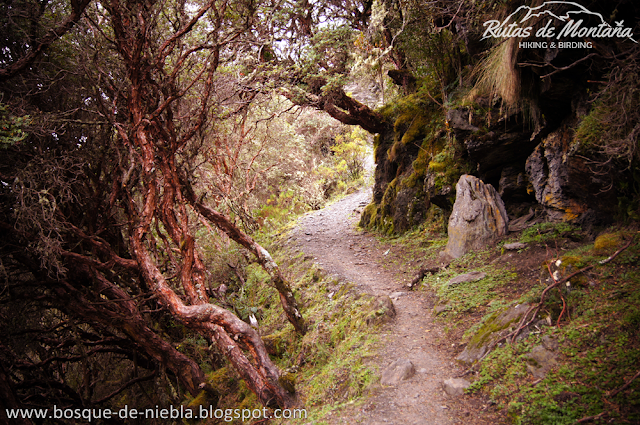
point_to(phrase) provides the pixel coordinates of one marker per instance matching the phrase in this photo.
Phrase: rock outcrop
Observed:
(563, 182)
(540, 361)
(467, 277)
(496, 144)
(381, 310)
(478, 217)
(418, 162)
(455, 387)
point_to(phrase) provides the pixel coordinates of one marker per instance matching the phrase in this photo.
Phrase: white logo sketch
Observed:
(571, 18)
(535, 12)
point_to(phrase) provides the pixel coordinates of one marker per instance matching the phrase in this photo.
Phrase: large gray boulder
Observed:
(478, 217)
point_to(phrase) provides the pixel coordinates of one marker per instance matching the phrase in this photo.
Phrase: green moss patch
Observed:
(598, 353)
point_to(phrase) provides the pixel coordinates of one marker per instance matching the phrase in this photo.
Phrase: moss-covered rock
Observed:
(288, 381)
(276, 343)
(492, 329)
(381, 310)
(416, 159)
(607, 243)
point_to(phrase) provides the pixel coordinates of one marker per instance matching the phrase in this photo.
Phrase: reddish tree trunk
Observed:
(153, 141)
(225, 328)
(124, 315)
(288, 301)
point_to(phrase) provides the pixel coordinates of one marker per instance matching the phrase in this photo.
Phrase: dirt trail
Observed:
(331, 237)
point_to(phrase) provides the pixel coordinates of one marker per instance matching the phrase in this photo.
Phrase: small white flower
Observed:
(253, 321)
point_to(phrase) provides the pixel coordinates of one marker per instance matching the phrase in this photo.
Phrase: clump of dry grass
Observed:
(498, 74)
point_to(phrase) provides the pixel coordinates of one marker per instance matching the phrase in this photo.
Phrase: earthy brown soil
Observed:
(331, 237)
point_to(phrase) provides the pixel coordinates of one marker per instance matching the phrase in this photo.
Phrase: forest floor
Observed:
(340, 249)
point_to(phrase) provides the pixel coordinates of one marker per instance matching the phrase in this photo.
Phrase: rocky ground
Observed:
(415, 358)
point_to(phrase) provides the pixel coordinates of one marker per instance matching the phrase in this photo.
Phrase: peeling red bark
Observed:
(124, 315)
(160, 203)
(219, 324)
(287, 299)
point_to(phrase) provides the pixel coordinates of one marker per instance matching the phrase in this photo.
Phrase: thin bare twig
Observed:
(537, 307)
(564, 68)
(625, 386)
(591, 418)
(455, 15)
(615, 254)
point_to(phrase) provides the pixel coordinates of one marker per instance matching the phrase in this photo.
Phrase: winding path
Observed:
(330, 236)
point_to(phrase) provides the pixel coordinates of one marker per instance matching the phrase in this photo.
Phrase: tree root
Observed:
(422, 273)
(625, 386)
(523, 322)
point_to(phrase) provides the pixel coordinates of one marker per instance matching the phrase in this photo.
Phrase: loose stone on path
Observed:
(397, 371)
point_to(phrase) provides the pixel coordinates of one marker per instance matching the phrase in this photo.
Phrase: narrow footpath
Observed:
(331, 237)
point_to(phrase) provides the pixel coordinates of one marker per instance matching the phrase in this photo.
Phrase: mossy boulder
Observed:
(207, 397)
(276, 343)
(607, 243)
(288, 382)
(540, 361)
(569, 264)
(493, 328)
(381, 310)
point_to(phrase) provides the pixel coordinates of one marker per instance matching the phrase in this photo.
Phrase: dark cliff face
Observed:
(528, 159)
(551, 127)
(418, 162)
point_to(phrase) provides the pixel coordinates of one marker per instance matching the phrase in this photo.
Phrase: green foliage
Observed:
(612, 126)
(351, 152)
(544, 232)
(592, 129)
(599, 351)
(469, 296)
(281, 208)
(333, 351)
(327, 56)
(12, 128)
(436, 57)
